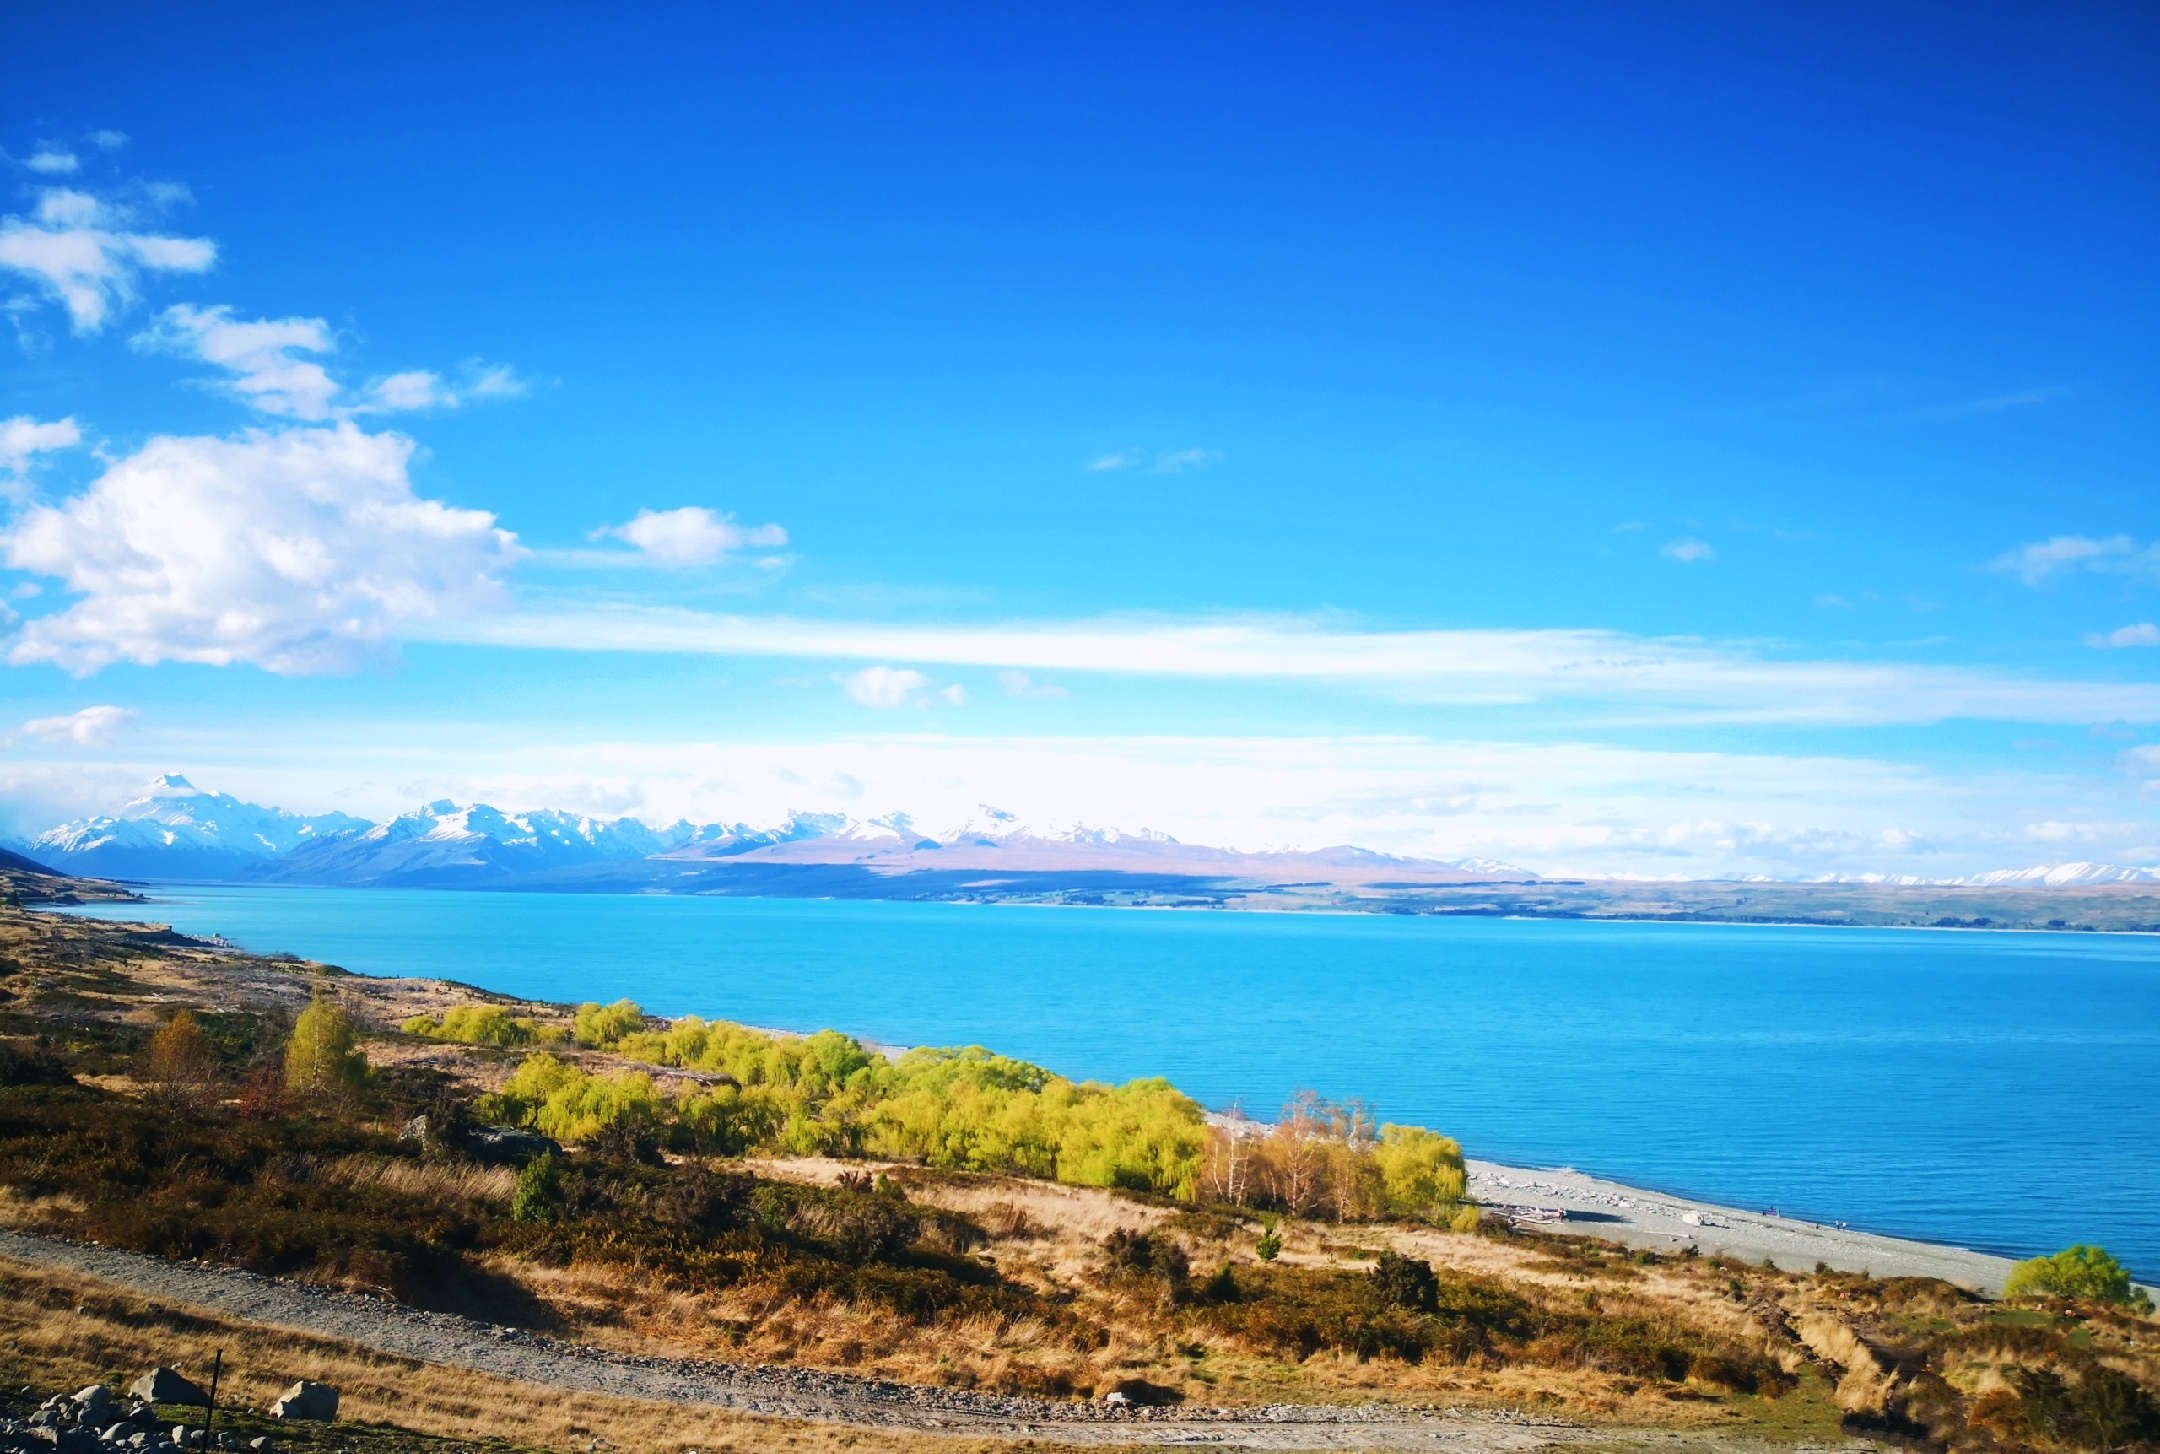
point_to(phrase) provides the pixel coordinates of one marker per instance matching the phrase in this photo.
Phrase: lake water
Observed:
(1999, 1091)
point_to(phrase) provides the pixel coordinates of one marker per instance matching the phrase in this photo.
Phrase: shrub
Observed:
(1270, 1245)
(1406, 1282)
(182, 1061)
(2103, 1409)
(321, 1059)
(477, 1025)
(601, 1027)
(1142, 1255)
(539, 1194)
(2084, 1272)
(562, 1100)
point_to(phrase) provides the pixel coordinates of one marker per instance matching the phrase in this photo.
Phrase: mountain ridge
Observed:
(173, 830)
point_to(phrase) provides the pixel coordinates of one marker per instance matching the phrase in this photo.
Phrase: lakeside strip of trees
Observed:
(963, 1108)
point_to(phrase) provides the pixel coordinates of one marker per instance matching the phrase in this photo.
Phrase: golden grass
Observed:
(47, 1343)
(464, 1181)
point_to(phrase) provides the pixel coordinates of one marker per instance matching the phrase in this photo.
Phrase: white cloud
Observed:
(90, 727)
(1157, 462)
(109, 140)
(23, 438)
(298, 550)
(2113, 555)
(425, 389)
(1563, 808)
(1178, 461)
(79, 251)
(1687, 551)
(885, 687)
(692, 535)
(1641, 679)
(2145, 633)
(259, 355)
(54, 161)
(1020, 684)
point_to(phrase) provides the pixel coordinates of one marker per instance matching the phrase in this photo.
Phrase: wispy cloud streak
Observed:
(1495, 668)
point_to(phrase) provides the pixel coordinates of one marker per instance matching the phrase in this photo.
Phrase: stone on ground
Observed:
(164, 1386)
(305, 1400)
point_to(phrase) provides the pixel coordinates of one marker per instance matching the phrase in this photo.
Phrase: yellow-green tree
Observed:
(182, 1061)
(323, 1058)
(1422, 1172)
(599, 1027)
(2083, 1271)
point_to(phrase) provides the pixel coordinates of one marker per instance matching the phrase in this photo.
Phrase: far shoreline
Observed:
(145, 892)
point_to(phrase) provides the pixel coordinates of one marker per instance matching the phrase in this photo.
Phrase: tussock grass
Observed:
(448, 1181)
(45, 1343)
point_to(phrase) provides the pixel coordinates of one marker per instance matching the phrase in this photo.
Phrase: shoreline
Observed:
(1246, 901)
(1578, 1203)
(1657, 1221)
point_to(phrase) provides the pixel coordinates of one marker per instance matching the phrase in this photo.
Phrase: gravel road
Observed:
(796, 1393)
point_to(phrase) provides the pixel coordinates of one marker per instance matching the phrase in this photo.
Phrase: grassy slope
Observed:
(938, 1277)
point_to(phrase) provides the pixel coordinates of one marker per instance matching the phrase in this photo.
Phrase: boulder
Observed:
(510, 1143)
(1137, 1393)
(305, 1400)
(96, 1405)
(164, 1386)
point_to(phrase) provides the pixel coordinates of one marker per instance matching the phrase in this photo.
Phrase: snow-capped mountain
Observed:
(442, 843)
(175, 830)
(2062, 875)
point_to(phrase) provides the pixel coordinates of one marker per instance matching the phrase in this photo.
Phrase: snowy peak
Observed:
(2062, 875)
(172, 829)
(174, 823)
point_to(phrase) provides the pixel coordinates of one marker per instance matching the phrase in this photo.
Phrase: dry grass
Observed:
(463, 1181)
(46, 1343)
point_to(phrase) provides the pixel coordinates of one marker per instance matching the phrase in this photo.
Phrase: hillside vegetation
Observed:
(951, 1217)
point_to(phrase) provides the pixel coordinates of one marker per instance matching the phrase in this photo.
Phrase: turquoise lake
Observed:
(2000, 1091)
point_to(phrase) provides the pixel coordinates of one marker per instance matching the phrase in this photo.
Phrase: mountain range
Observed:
(175, 831)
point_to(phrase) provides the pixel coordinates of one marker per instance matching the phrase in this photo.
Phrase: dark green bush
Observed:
(1405, 1282)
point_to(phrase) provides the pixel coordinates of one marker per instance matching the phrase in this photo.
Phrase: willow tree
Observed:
(323, 1059)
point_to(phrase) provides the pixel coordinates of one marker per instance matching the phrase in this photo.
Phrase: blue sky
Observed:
(1659, 439)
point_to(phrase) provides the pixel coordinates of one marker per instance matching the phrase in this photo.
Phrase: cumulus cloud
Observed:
(260, 354)
(54, 161)
(300, 550)
(22, 439)
(691, 535)
(90, 727)
(83, 253)
(885, 687)
(2145, 633)
(1687, 551)
(2061, 554)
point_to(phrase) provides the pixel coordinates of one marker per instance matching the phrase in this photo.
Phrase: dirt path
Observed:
(796, 1393)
